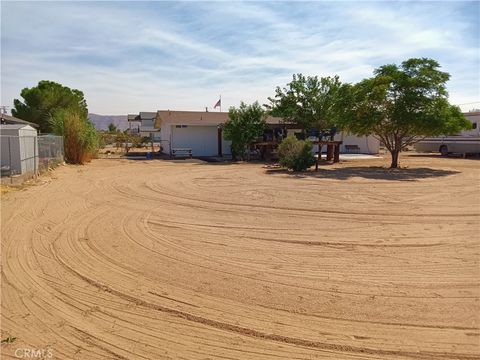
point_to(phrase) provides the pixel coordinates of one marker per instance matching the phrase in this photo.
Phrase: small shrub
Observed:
(137, 141)
(296, 154)
(9, 340)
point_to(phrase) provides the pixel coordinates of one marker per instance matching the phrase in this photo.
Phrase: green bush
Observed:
(295, 154)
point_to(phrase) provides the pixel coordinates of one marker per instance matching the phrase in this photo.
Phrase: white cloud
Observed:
(130, 57)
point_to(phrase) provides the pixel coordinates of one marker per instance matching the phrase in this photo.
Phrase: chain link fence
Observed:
(29, 155)
(50, 151)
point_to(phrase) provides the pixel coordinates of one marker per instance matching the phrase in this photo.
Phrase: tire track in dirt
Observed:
(168, 260)
(257, 334)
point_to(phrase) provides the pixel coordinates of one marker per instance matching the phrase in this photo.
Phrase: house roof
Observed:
(133, 117)
(198, 118)
(15, 126)
(8, 119)
(143, 115)
(472, 113)
(147, 115)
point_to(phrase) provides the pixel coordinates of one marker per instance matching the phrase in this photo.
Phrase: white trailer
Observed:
(467, 142)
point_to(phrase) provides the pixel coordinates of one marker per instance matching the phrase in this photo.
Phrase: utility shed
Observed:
(19, 149)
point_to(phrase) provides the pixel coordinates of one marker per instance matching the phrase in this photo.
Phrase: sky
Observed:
(130, 56)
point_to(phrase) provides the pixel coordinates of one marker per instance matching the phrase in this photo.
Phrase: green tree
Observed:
(112, 128)
(295, 154)
(400, 105)
(40, 103)
(243, 126)
(309, 102)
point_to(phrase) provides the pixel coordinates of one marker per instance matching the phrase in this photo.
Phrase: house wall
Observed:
(168, 139)
(203, 140)
(226, 147)
(367, 144)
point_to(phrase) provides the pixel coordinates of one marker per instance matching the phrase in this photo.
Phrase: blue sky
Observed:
(143, 56)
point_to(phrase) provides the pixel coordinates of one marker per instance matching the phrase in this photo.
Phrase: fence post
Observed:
(35, 156)
(10, 155)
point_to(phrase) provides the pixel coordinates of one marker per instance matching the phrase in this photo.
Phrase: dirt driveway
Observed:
(125, 259)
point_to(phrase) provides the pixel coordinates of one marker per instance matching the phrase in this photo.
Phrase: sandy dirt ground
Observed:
(124, 259)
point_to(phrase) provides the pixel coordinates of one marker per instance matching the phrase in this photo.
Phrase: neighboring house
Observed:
(144, 125)
(10, 120)
(474, 118)
(202, 132)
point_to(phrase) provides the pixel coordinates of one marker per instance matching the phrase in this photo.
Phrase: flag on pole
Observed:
(218, 104)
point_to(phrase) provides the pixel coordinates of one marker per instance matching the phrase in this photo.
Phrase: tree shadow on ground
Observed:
(368, 172)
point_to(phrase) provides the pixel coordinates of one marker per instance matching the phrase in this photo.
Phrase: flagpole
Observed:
(220, 102)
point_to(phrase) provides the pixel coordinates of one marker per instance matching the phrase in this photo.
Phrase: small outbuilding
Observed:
(19, 149)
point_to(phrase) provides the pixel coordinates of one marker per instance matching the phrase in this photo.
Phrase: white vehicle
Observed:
(467, 142)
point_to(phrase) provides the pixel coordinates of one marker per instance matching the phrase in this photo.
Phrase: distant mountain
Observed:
(101, 122)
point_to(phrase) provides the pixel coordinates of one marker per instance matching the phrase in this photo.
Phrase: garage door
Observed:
(203, 140)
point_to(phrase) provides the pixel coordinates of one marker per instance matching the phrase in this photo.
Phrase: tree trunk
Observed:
(394, 154)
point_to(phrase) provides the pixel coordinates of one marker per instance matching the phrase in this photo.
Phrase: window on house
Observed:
(474, 125)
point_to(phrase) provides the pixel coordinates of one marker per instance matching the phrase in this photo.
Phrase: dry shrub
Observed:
(79, 135)
(295, 154)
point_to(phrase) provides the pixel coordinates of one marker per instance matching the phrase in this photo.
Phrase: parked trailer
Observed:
(467, 142)
(450, 145)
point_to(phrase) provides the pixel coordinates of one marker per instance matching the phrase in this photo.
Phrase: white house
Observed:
(146, 125)
(199, 131)
(202, 132)
(474, 117)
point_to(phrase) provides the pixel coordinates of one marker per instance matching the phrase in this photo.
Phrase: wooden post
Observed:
(336, 155)
(219, 135)
(35, 156)
(329, 152)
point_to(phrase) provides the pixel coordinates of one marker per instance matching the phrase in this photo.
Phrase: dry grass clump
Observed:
(80, 136)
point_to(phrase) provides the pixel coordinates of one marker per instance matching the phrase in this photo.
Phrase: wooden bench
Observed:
(352, 149)
(182, 152)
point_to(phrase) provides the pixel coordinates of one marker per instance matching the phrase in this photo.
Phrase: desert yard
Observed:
(124, 259)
